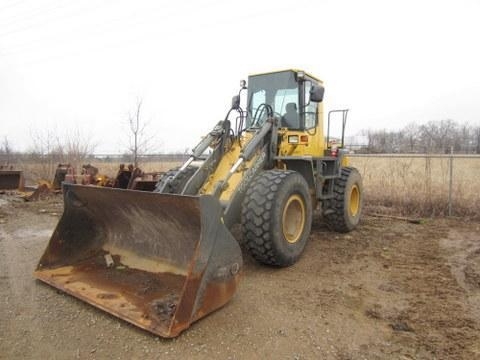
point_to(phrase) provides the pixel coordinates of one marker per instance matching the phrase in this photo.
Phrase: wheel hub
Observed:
(293, 219)
(354, 201)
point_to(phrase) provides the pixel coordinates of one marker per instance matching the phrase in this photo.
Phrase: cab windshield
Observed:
(280, 91)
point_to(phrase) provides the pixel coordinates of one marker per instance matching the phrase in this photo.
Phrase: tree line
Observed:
(432, 137)
(439, 137)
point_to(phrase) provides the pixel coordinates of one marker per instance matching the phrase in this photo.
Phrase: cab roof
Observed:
(294, 70)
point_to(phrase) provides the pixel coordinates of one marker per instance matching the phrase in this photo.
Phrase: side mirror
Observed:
(316, 93)
(236, 102)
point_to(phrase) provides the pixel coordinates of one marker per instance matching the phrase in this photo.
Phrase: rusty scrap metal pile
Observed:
(127, 177)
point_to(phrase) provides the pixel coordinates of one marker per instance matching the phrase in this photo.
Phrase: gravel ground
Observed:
(389, 290)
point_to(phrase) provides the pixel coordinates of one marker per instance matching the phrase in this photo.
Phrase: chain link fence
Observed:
(421, 184)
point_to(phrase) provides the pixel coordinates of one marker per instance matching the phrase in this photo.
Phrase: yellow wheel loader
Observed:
(164, 259)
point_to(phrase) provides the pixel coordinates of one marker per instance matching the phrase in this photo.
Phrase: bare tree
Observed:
(77, 147)
(477, 140)
(51, 147)
(6, 151)
(140, 141)
(439, 136)
(411, 137)
(45, 153)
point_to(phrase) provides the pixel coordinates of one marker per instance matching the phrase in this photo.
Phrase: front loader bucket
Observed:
(157, 261)
(11, 180)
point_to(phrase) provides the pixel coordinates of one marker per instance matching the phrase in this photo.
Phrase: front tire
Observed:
(277, 217)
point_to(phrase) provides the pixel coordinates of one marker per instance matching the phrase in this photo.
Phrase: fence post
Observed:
(428, 205)
(450, 183)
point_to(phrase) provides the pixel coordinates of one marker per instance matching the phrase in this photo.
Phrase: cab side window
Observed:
(310, 111)
(286, 105)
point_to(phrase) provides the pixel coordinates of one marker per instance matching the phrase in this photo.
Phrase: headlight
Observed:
(293, 139)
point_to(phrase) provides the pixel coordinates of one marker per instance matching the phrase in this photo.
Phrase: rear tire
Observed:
(176, 186)
(343, 212)
(277, 217)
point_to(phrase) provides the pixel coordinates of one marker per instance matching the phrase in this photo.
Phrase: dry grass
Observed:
(420, 186)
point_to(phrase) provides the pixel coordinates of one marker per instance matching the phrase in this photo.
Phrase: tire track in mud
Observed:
(463, 249)
(435, 321)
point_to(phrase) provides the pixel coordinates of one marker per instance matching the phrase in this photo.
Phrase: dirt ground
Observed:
(389, 290)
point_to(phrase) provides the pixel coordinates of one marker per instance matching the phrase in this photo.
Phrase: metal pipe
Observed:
(450, 185)
(188, 162)
(203, 144)
(236, 165)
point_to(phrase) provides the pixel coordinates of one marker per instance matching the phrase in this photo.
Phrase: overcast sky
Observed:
(82, 64)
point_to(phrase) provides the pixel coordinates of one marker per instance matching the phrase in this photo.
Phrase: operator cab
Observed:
(291, 96)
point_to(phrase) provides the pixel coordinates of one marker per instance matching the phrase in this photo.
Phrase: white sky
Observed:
(83, 64)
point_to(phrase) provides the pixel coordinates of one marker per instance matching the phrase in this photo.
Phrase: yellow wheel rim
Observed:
(293, 219)
(354, 201)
